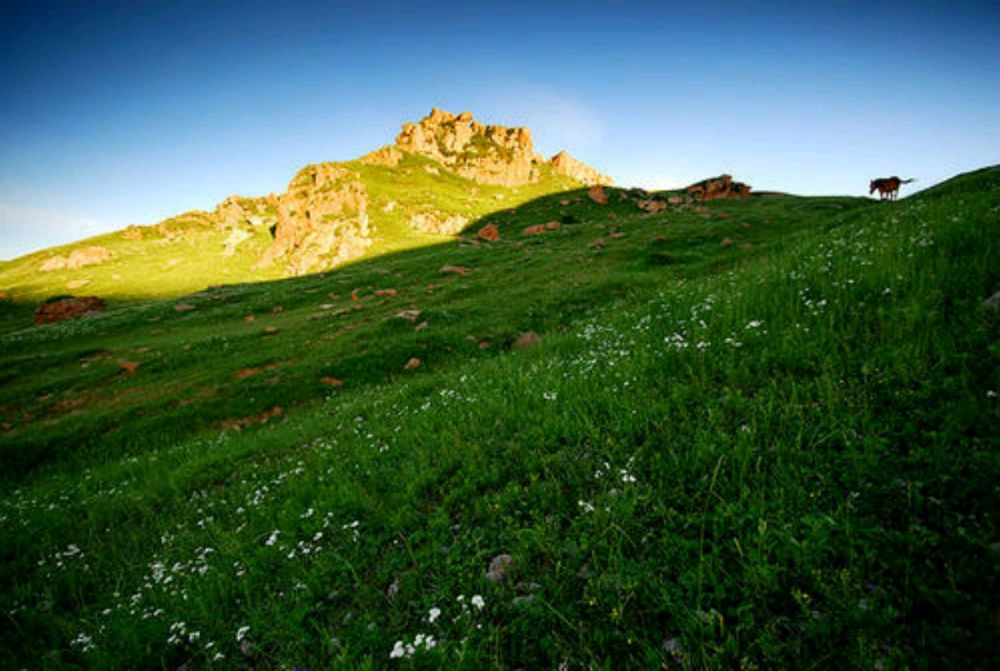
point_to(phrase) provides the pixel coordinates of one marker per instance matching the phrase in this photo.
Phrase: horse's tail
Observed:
(907, 181)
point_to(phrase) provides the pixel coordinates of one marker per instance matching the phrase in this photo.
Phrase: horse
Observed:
(888, 187)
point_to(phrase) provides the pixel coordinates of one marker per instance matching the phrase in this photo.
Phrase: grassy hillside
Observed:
(186, 253)
(762, 436)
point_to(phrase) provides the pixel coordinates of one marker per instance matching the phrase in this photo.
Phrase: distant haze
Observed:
(130, 113)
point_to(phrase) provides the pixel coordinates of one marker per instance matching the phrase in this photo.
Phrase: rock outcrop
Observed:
(564, 164)
(78, 258)
(488, 154)
(67, 307)
(722, 186)
(322, 220)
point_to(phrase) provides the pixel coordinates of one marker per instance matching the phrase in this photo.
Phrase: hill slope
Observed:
(750, 435)
(443, 172)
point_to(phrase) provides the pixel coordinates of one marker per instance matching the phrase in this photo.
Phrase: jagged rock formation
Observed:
(722, 186)
(488, 154)
(564, 164)
(322, 220)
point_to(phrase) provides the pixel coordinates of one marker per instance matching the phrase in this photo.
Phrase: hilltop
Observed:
(441, 173)
(615, 432)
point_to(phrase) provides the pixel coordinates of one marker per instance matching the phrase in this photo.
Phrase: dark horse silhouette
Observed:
(888, 187)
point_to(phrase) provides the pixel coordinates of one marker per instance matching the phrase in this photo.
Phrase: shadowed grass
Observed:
(772, 453)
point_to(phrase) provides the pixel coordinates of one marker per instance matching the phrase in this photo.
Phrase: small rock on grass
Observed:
(331, 381)
(455, 270)
(526, 339)
(412, 364)
(128, 367)
(498, 568)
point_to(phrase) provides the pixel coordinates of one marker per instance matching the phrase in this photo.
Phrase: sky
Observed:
(118, 113)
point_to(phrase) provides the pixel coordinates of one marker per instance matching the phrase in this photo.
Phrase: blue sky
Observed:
(122, 113)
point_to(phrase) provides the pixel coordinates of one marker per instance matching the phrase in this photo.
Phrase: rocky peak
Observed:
(489, 154)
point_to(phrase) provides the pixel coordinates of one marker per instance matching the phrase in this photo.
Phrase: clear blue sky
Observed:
(120, 113)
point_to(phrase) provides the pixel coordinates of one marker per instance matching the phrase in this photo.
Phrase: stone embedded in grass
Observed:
(499, 566)
(413, 363)
(331, 381)
(270, 330)
(526, 339)
(617, 235)
(356, 295)
(409, 315)
(67, 307)
(128, 367)
(386, 292)
(537, 229)
(249, 318)
(421, 326)
(552, 226)
(992, 304)
(596, 193)
(183, 307)
(455, 270)
(727, 241)
(598, 243)
(489, 232)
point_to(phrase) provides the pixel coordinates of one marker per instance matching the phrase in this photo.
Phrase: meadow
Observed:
(760, 435)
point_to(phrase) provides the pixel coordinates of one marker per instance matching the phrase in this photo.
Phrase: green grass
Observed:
(774, 453)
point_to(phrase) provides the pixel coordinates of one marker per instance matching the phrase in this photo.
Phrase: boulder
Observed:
(78, 258)
(722, 186)
(596, 193)
(488, 232)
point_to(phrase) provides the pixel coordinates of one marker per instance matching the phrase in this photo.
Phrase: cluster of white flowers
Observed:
(405, 650)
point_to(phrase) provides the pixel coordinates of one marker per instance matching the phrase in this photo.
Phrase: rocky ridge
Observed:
(322, 219)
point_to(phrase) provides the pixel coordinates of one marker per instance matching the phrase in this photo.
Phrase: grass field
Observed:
(759, 437)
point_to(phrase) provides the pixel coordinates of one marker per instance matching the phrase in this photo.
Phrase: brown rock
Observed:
(675, 200)
(722, 186)
(455, 270)
(596, 193)
(652, 206)
(128, 367)
(488, 232)
(183, 307)
(386, 292)
(617, 235)
(249, 319)
(409, 315)
(412, 364)
(526, 339)
(553, 226)
(70, 307)
(598, 243)
(727, 241)
(534, 230)
(564, 202)
(421, 326)
(270, 330)
(331, 381)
